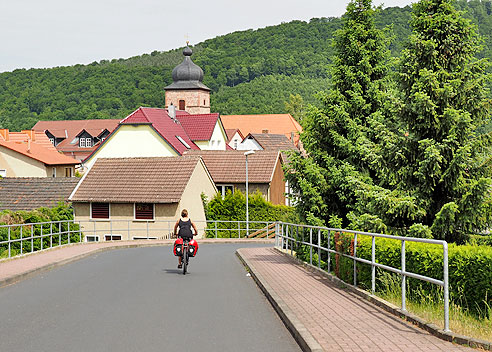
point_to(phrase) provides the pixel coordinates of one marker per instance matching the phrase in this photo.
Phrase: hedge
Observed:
(470, 268)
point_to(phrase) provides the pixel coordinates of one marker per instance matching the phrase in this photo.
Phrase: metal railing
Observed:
(289, 236)
(21, 239)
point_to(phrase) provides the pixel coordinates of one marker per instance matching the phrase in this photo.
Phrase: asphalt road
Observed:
(137, 300)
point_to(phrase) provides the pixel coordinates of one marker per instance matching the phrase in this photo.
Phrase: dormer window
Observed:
(182, 105)
(85, 142)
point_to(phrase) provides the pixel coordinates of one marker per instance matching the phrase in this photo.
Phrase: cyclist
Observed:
(185, 225)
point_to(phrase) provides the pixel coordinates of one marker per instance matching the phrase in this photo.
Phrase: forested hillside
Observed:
(253, 71)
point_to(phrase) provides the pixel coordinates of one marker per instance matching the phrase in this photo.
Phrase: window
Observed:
(235, 144)
(183, 142)
(92, 238)
(182, 105)
(68, 172)
(85, 142)
(3, 173)
(52, 140)
(223, 189)
(100, 210)
(203, 101)
(144, 211)
(53, 172)
(112, 237)
(143, 238)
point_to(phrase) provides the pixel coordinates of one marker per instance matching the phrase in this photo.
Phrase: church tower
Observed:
(187, 92)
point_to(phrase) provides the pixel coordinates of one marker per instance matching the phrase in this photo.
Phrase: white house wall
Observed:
(249, 144)
(218, 140)
(132, 141)
(236, 138)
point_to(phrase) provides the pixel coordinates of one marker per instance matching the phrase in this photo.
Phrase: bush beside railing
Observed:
(470, 268)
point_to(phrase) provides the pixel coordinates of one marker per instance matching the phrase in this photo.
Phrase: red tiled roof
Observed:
(147, 180)
(163, 124)
(27, 193)
(69, 129)
(199, 127)
(229, 166)
(231, 132)
(273, 123)
(39, 152)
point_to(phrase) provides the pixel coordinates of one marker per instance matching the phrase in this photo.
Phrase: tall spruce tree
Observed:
(340, 136)
(445, 162)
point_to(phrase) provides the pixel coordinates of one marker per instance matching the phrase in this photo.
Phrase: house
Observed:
(28, 193)
(234, 137)
(31, 154)
(76, 138)
(132, 198)
(228, 171)
(170, 131)
(268, 123)
(266, 141)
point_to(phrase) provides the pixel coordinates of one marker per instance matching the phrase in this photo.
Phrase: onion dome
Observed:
(187, 75)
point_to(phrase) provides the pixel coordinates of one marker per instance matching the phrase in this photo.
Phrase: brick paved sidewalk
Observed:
(18, 268)
(337, 319)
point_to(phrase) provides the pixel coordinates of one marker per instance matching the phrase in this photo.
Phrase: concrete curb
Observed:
(391, 308)
(303, 337)
(30, 273)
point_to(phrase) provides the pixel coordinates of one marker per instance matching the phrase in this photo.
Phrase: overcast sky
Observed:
(48, 33)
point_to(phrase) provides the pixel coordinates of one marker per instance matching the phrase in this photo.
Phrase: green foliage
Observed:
(406, 159)
(24, 228)
(233, 208)
(444, 162)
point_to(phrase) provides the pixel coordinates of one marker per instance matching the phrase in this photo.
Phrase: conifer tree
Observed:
(444, 164)
(340, 136)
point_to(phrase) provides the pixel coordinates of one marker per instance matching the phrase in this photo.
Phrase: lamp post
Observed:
(249, 152)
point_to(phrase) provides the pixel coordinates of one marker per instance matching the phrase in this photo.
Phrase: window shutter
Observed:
(100, 211)
(144, 211)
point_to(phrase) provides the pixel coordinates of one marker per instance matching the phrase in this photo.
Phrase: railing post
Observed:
(32, 238)
(403, 278)
(59, 234)
(21, 242)
(319, 248)
(51, 235)
(311, 246)
(373, 266)
(42, 237)
(215, 223)
(128, 226)
(239, 229)
(446, 287)
(328, 260)
(68, 229)
(147, 224)
(291, 243)
(355, 261)
(80, 231)
(9, 242)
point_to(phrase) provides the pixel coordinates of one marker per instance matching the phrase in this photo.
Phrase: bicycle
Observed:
(184, 261)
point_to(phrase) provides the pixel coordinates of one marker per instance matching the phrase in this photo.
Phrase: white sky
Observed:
(49, 33)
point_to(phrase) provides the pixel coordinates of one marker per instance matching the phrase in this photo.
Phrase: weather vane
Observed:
(187, 37)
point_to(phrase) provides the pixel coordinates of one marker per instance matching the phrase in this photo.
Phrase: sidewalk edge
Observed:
(302, 336)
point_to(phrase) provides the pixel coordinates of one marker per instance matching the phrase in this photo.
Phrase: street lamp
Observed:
(249, 152)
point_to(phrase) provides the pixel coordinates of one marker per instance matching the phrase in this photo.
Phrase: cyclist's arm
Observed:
(176, 228)
(196, 231)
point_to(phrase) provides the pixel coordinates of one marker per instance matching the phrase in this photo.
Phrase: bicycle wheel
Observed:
(185, 259)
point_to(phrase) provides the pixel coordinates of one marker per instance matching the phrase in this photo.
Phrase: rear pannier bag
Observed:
(178, 247)
(193, 248)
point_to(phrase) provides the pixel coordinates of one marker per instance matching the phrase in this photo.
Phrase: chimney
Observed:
(171, 110)
(28, 144)
(4, 132)
(30, 134)
(264, 131)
